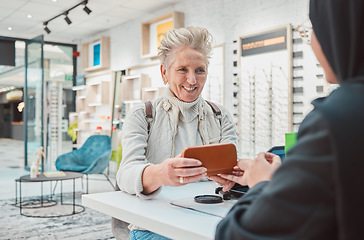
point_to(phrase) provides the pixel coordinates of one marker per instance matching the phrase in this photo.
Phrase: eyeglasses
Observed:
(231, 194)
(305, 31)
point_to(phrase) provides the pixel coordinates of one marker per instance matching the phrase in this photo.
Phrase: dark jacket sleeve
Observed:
(299, 201)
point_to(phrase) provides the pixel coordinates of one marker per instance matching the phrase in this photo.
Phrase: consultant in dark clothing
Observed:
(317, 193)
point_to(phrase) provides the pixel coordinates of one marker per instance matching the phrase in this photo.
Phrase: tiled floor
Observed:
(12, 167)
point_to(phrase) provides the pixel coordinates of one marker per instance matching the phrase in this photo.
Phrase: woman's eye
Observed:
(182, 69)
(200, 70)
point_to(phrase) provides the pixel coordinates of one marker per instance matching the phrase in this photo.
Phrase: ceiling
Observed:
(105, 15)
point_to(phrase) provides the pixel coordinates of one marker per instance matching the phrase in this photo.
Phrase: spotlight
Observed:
(87, 10)
(46, 28)
(67, 19)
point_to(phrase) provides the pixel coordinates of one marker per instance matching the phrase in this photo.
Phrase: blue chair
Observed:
(92, 158)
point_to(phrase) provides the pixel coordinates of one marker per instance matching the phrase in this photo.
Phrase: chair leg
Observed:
(86, 174)
(83, 182)
(87, 183)
(108, 179)
(82, 186)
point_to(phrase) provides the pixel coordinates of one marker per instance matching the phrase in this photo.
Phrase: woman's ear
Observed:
(163, 73)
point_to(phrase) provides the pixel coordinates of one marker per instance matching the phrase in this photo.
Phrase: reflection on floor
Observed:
(12, 167)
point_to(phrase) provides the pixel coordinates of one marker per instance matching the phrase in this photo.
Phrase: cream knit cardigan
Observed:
(141, 149)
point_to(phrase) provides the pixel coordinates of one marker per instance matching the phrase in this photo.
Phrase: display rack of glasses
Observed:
(265, 95)
(308, 77)
(55, 108)
(236, 96)
(264, 89)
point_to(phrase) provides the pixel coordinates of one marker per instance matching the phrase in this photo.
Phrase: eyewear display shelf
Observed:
(42, 201)
(137, 89)
(93, 106)
(133, 88)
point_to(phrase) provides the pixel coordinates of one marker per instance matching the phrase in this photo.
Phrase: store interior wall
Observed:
(225, 19)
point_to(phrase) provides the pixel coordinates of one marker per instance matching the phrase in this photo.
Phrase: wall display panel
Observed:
(215, 85)
(154, 30)
(96, 50)
(265, 89)
(95, 54)
(161, 28)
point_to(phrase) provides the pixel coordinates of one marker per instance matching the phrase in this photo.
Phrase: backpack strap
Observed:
(148, 113)
(215, 109)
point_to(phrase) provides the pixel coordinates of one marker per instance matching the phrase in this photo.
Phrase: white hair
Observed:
(197, 38)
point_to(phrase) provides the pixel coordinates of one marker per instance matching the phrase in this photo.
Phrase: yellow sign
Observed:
(162, 29)
(263, 43)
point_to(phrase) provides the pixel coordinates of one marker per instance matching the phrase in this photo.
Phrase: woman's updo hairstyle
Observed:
(197, 38)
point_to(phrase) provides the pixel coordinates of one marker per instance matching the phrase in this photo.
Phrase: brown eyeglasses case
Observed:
(217, 158)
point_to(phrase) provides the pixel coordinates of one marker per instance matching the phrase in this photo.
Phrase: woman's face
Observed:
(187, 74)
(329, 73)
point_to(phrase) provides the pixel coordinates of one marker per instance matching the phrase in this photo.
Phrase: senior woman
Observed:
(181, 118)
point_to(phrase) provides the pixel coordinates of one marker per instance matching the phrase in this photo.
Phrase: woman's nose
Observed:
(191, 79)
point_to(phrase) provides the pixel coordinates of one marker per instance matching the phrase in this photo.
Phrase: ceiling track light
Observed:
(67, 19)
(46, 28)
(87, 10)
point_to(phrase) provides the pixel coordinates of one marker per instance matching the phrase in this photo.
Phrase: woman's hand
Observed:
(176, 171)
(180, 171)
(255, 171)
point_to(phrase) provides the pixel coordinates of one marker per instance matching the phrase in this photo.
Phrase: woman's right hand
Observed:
(189, 169)
(176, 171)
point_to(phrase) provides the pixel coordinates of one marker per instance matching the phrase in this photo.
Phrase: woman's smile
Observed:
(189, 89)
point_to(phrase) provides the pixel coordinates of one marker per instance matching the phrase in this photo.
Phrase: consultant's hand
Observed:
(262, 168)
(257, 170)
(172, 172)
(226, 183)
(239, 174)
